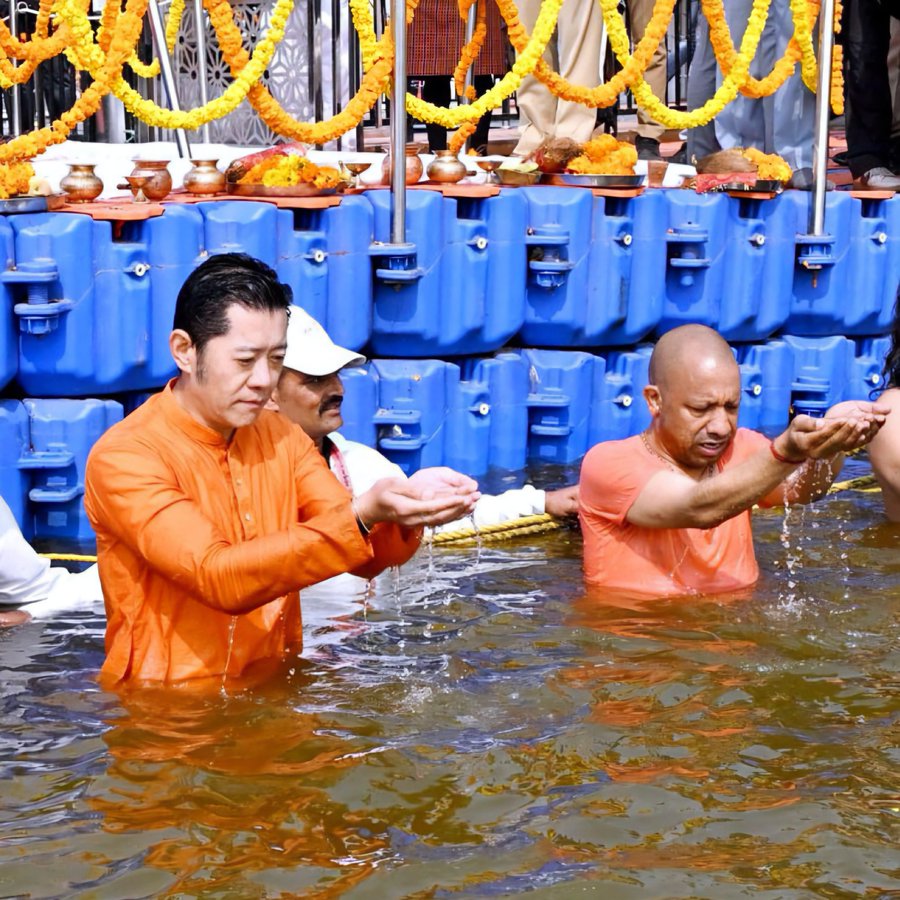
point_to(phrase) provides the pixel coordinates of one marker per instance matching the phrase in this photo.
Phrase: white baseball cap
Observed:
(310, 350)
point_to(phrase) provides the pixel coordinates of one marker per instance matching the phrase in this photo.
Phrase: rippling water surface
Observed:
(482, 728)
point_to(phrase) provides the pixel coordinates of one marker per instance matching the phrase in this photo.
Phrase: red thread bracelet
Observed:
(784, 459)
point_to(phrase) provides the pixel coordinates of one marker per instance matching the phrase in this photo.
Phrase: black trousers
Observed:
(867, 35)
(436, 89)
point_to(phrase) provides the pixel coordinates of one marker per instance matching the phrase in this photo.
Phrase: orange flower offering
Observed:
(604, 155)
(287, 171)
(769, 166)
(15, 178)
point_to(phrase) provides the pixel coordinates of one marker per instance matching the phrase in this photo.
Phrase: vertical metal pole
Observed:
(470, 33)
(398, 125)
(823, 99)
(379, 30)
(336, 33)
(16, 97)
(168, 76)
(314, 45)
(202, 68)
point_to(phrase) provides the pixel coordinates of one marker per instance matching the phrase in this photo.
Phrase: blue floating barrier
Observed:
(758, 266)
(767, 375)
(15, 442)
(241, 226)
(323, 254)
(695, 237)
(596, 267)
(9, 332)
(821, 294)
(462, 290)
(504, 381)
(95, 303)
(874, 267)
(360, 404)
(620, 409)
(563, 386)
(823, 368)
(45, 445)
(868, 363)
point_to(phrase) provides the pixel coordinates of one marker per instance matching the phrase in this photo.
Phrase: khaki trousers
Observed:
(656, 74)
(574, 52)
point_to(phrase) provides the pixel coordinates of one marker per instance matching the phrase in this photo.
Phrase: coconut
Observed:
(724, 161)
(554, 154)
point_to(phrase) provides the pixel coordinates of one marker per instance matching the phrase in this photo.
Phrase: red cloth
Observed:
(659, 561)
(436, 37)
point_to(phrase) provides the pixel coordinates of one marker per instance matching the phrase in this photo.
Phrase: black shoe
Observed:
(803, 180)
(841, 159)
(647, 148)
(679, 157)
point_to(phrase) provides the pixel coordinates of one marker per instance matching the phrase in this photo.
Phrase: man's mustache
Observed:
(333, 401)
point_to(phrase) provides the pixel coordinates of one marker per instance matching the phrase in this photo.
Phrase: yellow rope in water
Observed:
(538, 524)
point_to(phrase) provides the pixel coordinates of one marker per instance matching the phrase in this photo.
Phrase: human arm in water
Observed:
(672, 499)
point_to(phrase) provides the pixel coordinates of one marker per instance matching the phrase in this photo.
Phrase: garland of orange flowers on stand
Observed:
(33, 51)
(470, 51)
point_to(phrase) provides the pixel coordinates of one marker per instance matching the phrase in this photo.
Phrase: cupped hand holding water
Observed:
(845, 427)
(430, 497)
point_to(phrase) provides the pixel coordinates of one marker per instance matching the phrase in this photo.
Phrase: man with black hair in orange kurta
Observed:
(211, 512)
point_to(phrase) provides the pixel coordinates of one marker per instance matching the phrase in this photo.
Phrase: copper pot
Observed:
(446, 167)
(81, 185)
(204, 178)
(414, 166)
(159, 180)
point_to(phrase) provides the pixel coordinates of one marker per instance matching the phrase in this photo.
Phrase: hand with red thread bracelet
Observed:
(784, 459)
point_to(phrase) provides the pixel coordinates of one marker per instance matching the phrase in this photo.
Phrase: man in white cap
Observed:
(310, 394)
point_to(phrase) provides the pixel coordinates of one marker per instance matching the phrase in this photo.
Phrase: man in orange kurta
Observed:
(211, 512)
(668, 512)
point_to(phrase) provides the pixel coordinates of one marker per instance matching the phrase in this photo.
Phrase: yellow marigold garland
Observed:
(14, 179)
(470, 51)
(460, 136)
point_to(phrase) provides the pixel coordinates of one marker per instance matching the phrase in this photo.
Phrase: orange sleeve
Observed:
(392, 545)
(131, 494)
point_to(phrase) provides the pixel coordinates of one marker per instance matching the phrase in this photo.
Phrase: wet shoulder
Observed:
(609, 451)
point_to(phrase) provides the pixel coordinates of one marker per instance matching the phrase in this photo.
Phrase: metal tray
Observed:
(28, 204)
(758, 187)
(600, 181)
(267, 190)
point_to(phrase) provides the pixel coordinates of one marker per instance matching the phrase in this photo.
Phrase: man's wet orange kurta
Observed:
(193, 531)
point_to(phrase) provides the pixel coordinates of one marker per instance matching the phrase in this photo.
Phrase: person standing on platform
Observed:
(574, 52)
(782, 123)
(211, 511)
(649, 132)
(434, 44)
(667, 512)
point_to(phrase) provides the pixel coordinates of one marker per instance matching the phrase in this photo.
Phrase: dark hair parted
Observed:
(890, 374)
(220, 281)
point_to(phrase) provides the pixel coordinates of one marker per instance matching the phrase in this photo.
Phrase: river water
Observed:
(482, 728)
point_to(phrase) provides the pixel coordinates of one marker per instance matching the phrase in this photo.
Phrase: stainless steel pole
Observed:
(470, 33)
(16, 97)
(398, 125)
(202, 68)
(823, 100)
(168, 76)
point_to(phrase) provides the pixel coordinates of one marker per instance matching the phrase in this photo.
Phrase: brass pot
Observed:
(204, 178)
(159, 180)
(81, 185)
(446, 168)
(414, 166)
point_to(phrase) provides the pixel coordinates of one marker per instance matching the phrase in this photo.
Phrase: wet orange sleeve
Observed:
(138, 500)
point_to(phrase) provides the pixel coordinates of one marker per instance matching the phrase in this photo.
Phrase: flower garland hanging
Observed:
(361, 16)
(121, 46)
(725, 93)
(470, 51)
(602, 95)
(373, 83)
(837, 64)
(524, 65)
(91, 59)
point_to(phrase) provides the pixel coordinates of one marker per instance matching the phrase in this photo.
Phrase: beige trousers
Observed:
(574, 52)
(656, 76)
